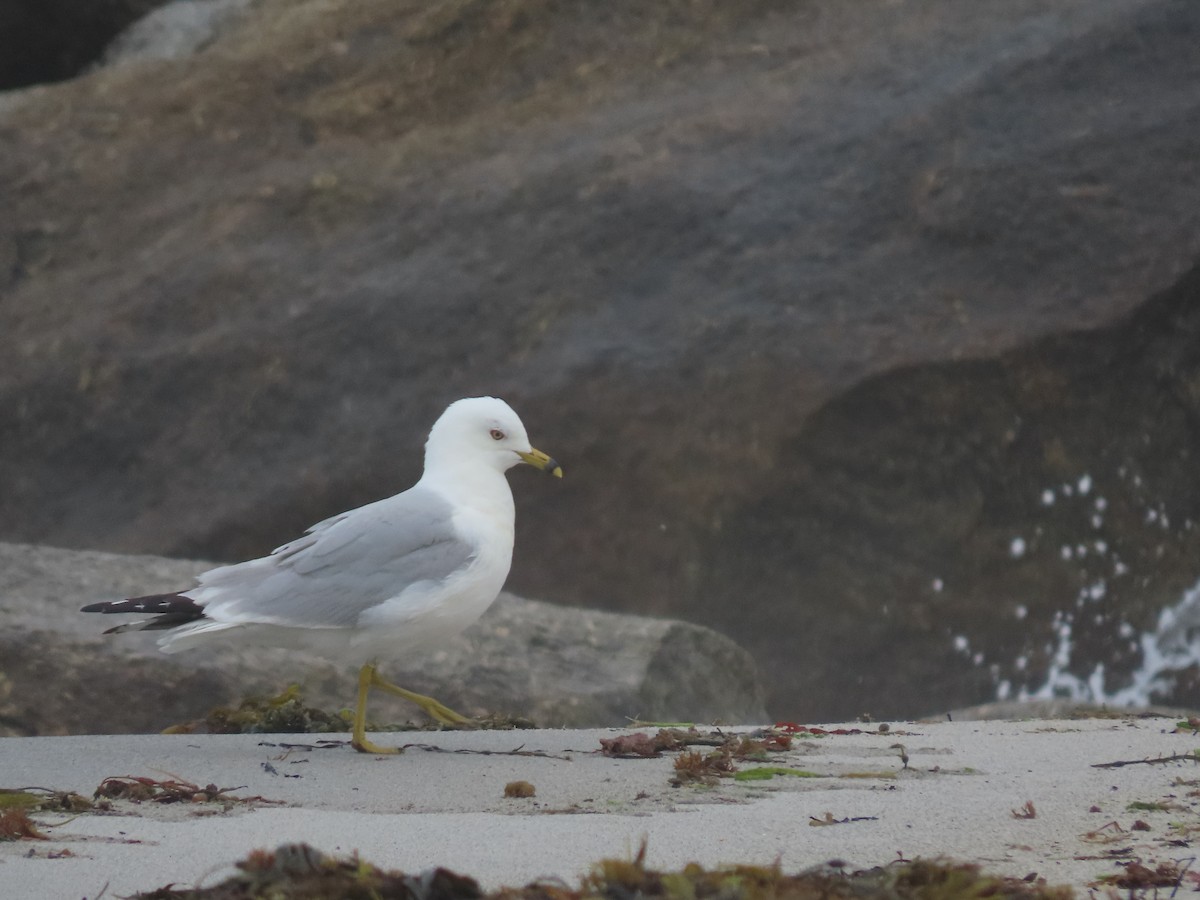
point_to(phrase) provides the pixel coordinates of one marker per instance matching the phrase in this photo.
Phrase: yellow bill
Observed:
(540, 460)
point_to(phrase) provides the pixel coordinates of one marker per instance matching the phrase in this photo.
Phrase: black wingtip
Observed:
(152, 604)
(169, 611)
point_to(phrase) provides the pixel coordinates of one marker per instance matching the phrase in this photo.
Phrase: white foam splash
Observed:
(1173, 646)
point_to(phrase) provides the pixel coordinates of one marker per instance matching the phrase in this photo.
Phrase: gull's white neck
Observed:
(468, 484)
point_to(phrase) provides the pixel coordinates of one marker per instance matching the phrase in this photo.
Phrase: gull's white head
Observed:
(483, 430)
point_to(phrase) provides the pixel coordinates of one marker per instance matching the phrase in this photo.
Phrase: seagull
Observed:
(396, 576)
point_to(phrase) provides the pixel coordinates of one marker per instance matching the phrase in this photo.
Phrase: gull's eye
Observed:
(497, 434)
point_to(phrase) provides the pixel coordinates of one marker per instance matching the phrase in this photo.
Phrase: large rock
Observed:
(559, 667)
(988, 530)
(709, 250)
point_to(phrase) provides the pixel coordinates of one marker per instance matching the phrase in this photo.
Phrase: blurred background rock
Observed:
(866, 332)
(551, 666)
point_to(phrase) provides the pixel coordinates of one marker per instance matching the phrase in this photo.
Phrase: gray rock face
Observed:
(560, 667)
(757, 273)
(175, 29)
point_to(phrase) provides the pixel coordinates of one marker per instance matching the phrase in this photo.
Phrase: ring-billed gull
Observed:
(392, 577)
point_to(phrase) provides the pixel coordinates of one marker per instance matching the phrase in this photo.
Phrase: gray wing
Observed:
(342, 566)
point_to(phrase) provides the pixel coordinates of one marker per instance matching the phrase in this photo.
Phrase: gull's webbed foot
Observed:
(360, 743)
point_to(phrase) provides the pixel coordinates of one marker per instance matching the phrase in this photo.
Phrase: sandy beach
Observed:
(963, 794)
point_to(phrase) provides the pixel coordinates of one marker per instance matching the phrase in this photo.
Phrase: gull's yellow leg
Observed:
(443, 714)
(358, 738)
(368, 678)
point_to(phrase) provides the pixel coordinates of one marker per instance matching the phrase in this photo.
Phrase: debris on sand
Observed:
(299, 872)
